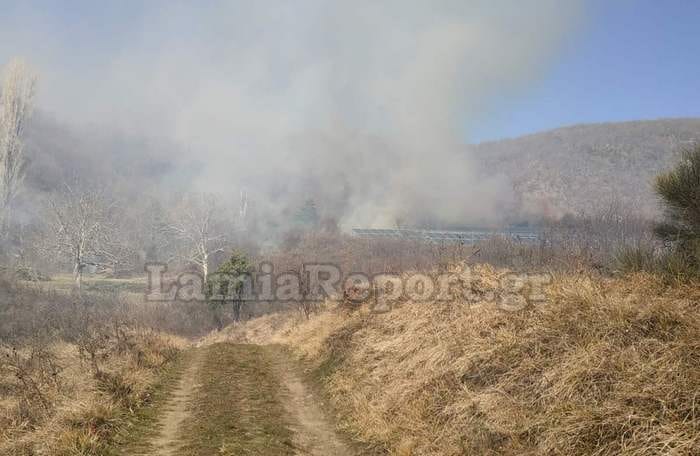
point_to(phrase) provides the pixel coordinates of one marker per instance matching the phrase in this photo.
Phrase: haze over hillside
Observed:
(584, 168)
(59, 153)
(356, 105)
(581, 168)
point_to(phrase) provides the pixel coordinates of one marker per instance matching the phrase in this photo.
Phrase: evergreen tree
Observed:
(679, 189)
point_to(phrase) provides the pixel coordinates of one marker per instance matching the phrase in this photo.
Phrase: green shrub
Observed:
(225, 286)
(679, 190)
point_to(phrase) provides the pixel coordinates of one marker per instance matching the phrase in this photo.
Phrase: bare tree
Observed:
(118, 246)
(198, 226)
(123, 247)
(16, 101)
(81, 225)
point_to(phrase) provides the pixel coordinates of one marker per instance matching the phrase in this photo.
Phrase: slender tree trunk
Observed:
(78, 270)
(5, 215)
(4, 237)
(78, 275)
(236, 310)
(205, 267)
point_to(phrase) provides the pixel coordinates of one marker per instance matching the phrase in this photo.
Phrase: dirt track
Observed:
(243, 399)
(175, 411)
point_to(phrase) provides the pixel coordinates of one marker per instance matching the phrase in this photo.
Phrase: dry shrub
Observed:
(576, 242)
(33, 372)
(87, 410)
(61, 351)
(188, 319)
(606, 366)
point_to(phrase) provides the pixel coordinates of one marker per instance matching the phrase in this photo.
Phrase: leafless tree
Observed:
(118, 248)
(16, 101)
(196, 223)
(121, 245)
(81, 224)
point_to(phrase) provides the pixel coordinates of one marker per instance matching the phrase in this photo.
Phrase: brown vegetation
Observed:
(72, 371)
(605, 366)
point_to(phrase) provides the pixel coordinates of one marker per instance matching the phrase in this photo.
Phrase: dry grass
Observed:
(72, 372)
(85, 408)
(606, 366)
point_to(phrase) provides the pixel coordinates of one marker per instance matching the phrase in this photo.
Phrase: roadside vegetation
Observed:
(74, 371)
(602, 367)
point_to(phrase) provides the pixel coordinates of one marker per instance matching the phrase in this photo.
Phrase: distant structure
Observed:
(472, 236)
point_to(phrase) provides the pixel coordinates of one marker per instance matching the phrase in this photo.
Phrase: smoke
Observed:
(363, 106)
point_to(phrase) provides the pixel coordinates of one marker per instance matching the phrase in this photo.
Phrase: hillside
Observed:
(567, 170)
(585, 167)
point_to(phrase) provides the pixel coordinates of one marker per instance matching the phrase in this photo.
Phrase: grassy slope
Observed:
(605, 367)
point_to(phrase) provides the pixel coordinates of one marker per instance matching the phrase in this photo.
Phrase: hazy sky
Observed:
(629, 59)
(358, 102)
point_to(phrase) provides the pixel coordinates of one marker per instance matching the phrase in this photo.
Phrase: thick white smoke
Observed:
(362, 105)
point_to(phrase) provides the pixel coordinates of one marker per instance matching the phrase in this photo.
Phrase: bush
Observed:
(73, 367)
(30, 274)
(671, 266)
(226, 285)
(676, 265)
(679, 190)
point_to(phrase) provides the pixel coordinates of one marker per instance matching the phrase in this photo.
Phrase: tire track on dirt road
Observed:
(176, 410)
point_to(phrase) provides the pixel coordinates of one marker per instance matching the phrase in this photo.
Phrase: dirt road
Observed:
(240, 399)
(176, 410)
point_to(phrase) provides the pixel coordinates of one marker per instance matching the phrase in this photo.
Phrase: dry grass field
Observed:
(74, 373)
(604, 366)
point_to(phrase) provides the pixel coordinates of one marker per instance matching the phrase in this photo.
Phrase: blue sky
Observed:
(631, 60)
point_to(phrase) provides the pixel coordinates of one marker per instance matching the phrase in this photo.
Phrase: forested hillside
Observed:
(586, 167)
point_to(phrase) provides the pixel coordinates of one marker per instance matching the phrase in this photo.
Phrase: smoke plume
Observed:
(363, 106)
